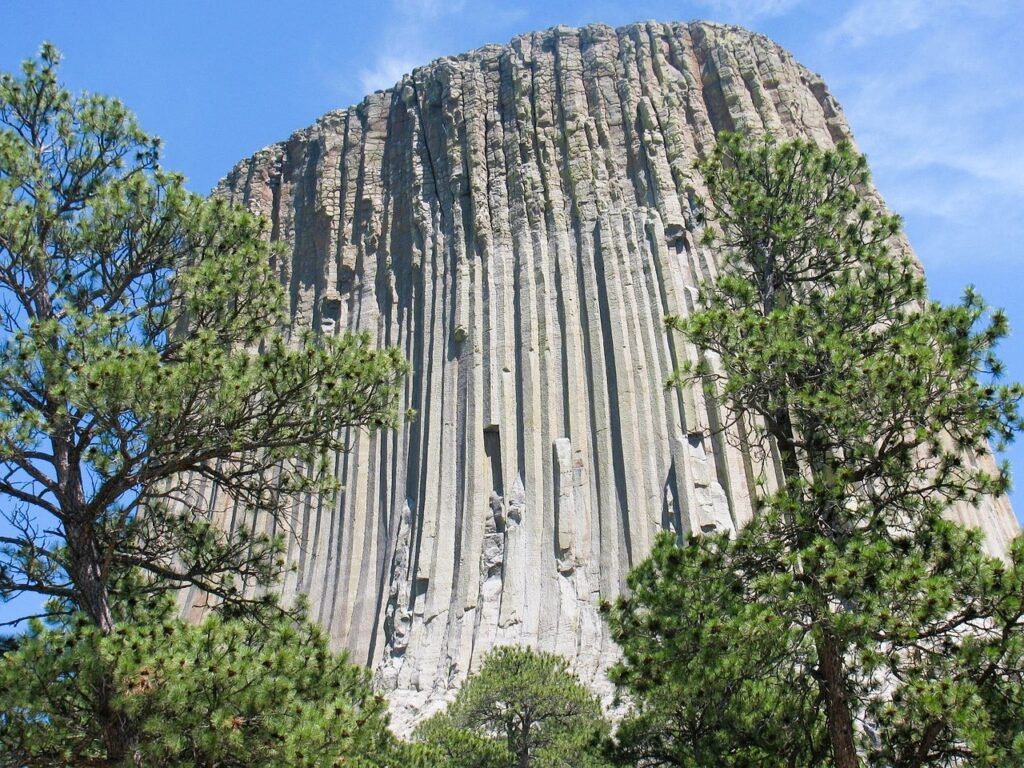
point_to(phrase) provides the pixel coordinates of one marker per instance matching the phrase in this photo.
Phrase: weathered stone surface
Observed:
(518, 220)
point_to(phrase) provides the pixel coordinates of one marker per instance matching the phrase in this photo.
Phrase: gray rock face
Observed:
(518, 220)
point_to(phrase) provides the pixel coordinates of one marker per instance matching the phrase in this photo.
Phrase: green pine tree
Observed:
(144, 352)
(714, 677)
(522, 708)
(142, 349)
(218, 693)
(443, 744)
(850, 622)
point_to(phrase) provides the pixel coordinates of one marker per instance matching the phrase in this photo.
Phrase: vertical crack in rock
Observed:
(518, 220)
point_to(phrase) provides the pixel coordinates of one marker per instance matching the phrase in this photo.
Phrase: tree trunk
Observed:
(831, 668)
(114, 724)
(926, 743)
(524, 746)
(832, 679)
(85, 568)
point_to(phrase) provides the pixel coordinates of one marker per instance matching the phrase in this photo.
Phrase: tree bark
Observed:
(832, 679)
(524, 746)
(85, 568)
(831, 668)
(926, 743)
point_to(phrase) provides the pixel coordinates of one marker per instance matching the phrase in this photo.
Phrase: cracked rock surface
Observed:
(518, 220)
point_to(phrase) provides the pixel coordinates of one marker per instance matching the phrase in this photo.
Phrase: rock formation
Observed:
(518, 220)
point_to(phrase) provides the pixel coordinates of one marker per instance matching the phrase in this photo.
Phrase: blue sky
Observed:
(934, 91)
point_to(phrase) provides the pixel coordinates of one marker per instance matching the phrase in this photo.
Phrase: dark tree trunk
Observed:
(86, 570)
(832, 679)
(831, 668)
(524, 746)
(925, 745)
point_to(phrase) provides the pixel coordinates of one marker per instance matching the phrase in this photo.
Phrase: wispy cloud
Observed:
(870, 20)
(749, 10)
(430, 8)
(386, 70)
(407, 40)
(935, 102)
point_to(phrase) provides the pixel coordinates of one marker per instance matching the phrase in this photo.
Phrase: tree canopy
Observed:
(522, 708)
(146, 358)
(144, 349)
(223, 692)
(850, 621)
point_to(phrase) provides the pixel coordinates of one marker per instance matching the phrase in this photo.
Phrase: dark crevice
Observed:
(714, 96)
(611, 376)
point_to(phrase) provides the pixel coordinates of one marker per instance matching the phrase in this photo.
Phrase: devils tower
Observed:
(518, 220)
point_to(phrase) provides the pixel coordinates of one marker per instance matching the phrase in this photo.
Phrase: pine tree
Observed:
(523, 708)
(222, 692)
(855, 621)
(443, 744)
(712, 674)
(144, 352)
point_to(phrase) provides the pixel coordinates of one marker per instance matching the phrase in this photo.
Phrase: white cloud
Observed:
(430, 8)
(749, 10)
(409, 42)
(935, 101)
(934, 92)
(870, 20)
(386, 70)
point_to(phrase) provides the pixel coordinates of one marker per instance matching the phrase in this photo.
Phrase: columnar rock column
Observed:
(518, 220)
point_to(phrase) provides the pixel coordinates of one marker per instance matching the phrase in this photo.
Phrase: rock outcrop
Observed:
(518, 220)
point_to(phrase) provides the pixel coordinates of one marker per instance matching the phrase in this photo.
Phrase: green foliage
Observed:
(523, 708)
(721, 662)
(143, 351)
(224, 693)
(145, 358)
(715, 677)
(854, 621)
(446, 744)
